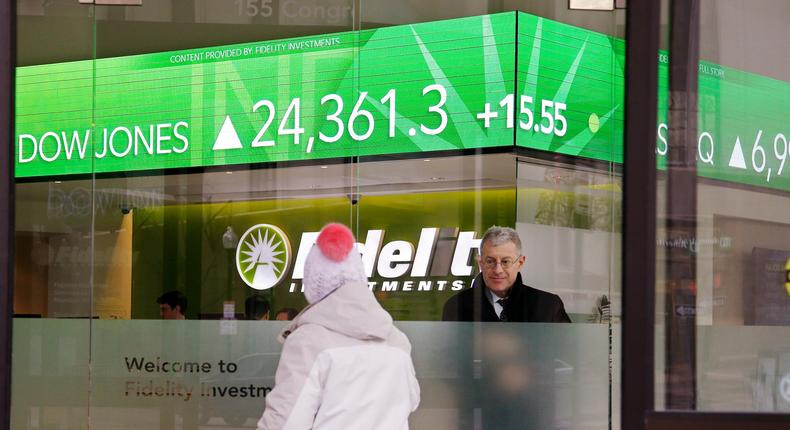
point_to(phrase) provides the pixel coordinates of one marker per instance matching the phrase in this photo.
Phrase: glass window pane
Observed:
(722, 255)
(174, 170)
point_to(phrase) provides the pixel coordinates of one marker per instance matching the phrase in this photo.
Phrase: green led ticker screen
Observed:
(488, 81)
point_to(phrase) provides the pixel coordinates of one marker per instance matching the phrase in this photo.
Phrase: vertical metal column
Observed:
(681, 212)
(7, 61)
(639, 211)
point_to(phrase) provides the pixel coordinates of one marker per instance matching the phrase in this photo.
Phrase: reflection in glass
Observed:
(722, 245)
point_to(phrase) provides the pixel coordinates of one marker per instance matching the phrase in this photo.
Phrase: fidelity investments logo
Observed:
(262, 256)
(441, 259)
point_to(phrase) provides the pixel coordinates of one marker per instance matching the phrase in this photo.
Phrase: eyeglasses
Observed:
(506, 263)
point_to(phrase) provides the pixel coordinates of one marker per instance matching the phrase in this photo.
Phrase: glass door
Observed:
(710, 232)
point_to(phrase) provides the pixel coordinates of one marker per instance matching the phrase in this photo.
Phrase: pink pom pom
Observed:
(335, 241)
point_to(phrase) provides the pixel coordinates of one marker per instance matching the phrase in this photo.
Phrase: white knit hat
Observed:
(332, 262)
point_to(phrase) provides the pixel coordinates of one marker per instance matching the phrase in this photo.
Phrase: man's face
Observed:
(500, 266)
(168, 313)
(282, 316)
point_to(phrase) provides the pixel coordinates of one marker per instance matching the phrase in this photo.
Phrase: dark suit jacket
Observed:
(524, 304)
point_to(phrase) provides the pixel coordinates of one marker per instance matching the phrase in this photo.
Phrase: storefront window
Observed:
(174, 173)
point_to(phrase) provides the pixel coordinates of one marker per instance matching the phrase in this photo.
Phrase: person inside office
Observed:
(497, 292)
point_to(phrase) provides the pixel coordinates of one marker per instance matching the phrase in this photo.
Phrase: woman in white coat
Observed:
(344, 365)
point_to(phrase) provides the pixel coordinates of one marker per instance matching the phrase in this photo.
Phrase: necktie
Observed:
(503, 314)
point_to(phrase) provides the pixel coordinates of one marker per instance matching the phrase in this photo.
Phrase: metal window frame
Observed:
(639, 211)
(7, 61)
(665, 420)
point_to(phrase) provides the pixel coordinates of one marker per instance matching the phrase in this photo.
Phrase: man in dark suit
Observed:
(497, 293)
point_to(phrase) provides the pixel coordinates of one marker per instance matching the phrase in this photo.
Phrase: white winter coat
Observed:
(344, 366)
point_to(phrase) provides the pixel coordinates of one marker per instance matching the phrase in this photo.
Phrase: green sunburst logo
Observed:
(263, 256)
